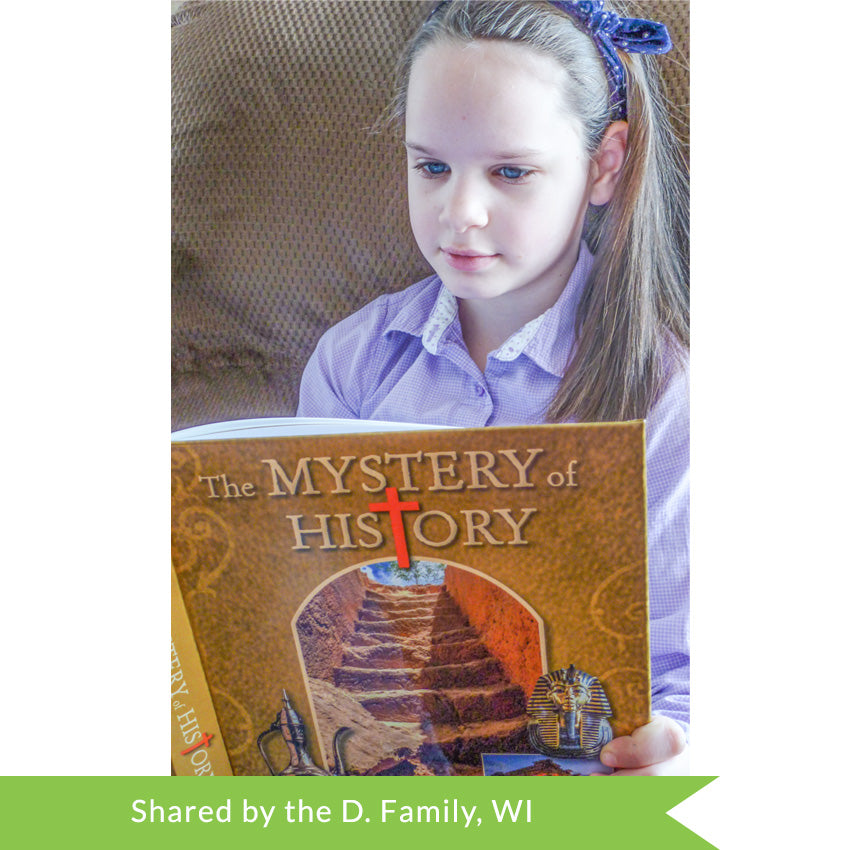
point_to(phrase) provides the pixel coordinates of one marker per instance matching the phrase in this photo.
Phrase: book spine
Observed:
(197, 745)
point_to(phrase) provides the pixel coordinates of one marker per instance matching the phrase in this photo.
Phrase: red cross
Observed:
(204, 742)
(394, 507)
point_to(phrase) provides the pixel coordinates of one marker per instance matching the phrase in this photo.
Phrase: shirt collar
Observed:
(547, 339)
(442, 315)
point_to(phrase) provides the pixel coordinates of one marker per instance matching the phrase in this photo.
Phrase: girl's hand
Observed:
(657, 749)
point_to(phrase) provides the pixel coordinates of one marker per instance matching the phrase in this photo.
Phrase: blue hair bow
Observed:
(609, 31)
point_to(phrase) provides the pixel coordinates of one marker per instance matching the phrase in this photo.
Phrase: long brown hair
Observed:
(633, 322)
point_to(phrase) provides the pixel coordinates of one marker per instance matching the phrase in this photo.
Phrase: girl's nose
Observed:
(465, 206)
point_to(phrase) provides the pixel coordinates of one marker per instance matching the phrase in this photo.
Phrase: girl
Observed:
(547, 193)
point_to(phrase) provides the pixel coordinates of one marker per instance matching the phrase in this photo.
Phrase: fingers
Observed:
(646, 749)
(677, 766)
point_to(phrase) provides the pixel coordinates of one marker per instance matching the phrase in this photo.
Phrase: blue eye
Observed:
(510, 172)
(433, 169)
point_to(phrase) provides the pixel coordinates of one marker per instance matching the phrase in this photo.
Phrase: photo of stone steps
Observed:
(416, 680)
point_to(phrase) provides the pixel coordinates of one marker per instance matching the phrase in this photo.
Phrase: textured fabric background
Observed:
(289, 212)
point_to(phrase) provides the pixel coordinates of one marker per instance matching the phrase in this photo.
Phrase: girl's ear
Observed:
(608, 163)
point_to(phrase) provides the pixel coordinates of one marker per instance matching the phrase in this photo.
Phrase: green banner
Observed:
(166, 812)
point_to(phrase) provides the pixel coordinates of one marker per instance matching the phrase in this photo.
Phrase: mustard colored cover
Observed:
(197, 745)
(410, 602)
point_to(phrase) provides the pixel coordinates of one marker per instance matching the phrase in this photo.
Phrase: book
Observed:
(406, 602)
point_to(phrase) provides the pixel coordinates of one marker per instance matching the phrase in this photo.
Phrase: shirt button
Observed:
(479, 390)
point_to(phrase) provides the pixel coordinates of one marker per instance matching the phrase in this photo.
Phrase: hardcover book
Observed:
(443, 602)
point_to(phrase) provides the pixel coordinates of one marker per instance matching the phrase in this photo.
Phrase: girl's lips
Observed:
(468, 261)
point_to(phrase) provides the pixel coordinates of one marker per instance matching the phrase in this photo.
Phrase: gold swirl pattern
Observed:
(202, 543)
(628, 679)
(185, 469)
(236, 719)
(627, 687)
(624, 624)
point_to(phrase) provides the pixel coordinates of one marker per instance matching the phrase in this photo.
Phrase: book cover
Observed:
(444, 602)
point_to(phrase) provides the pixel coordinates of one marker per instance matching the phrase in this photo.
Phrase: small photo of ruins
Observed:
(512, 764)
(429, 667)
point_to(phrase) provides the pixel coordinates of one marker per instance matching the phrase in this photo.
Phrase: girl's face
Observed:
(499, 180)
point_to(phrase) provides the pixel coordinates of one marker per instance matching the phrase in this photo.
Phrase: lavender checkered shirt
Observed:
(402, 358)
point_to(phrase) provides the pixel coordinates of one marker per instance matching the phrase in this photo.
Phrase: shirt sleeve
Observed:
(334, 380)
(668, 532)
(319, 395)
